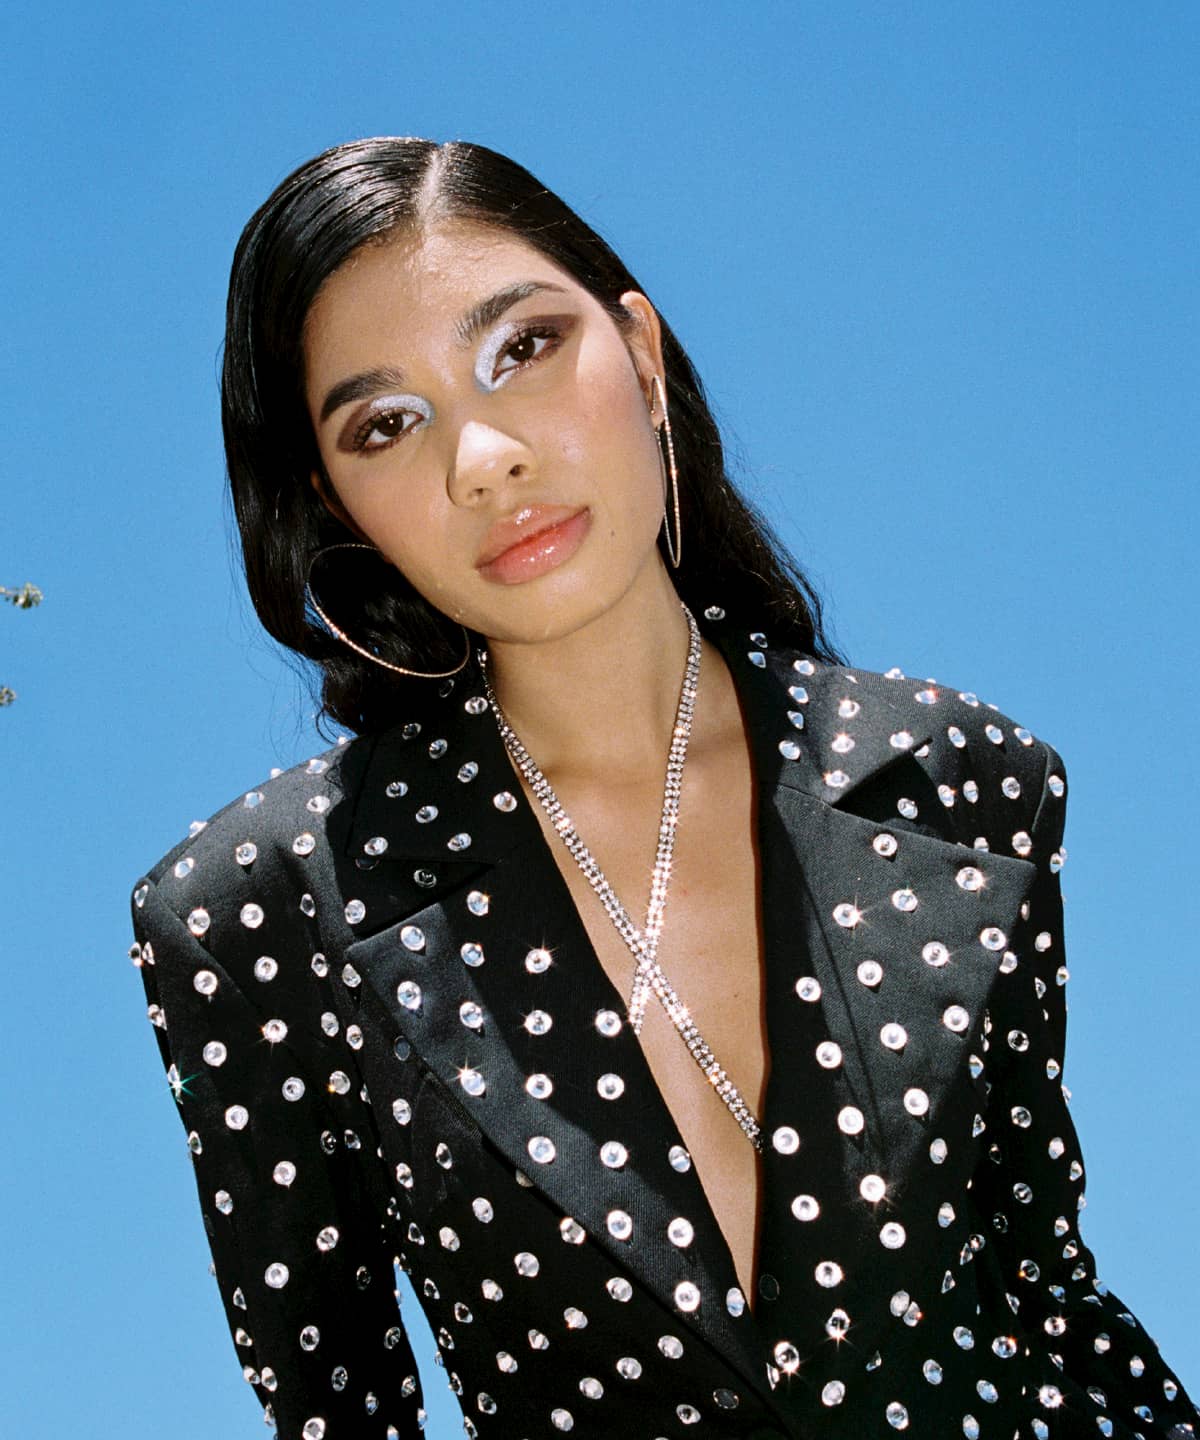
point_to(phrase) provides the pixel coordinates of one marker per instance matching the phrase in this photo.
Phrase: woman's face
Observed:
(485, 426)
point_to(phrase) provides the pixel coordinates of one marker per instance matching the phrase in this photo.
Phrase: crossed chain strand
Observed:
(643, 944)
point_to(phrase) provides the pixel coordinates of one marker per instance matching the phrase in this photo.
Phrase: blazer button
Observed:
(768, 1287)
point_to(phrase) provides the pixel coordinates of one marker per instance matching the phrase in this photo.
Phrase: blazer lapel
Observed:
(883, 940)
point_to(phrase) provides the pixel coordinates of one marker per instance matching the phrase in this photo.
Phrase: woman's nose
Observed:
(486, 460)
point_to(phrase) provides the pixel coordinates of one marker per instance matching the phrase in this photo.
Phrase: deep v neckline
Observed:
(616, 977)
(614, 997)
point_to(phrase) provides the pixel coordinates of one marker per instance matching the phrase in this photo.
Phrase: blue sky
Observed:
(936, 264)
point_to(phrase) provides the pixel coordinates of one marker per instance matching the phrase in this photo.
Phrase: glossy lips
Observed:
(545, 538)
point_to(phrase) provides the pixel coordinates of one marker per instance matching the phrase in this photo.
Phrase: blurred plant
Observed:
(23, 597)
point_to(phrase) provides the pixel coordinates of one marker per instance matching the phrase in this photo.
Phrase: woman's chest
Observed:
(711, 953)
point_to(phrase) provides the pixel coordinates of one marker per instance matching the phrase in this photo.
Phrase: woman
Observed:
(784, 1151)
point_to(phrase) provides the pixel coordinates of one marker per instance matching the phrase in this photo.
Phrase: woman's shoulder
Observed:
(959, 714)
(266, 831)
(837, 700)
(990, 772)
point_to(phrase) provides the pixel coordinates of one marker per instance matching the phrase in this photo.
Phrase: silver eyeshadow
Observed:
(485, 364)
(485, 361)
(389, 404)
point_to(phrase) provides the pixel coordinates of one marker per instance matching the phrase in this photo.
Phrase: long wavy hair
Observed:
(363, 192)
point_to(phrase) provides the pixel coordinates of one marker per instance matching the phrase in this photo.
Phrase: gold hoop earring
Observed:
(675, 547)
(340, 634)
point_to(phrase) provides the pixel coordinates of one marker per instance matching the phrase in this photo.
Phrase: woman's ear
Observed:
(644, 342)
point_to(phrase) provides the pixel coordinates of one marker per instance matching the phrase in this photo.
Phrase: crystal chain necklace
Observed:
(649, 975)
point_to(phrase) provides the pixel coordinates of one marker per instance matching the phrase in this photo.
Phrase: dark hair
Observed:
(315, 219)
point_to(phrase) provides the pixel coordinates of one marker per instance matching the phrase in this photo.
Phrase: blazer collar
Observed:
(798, 711)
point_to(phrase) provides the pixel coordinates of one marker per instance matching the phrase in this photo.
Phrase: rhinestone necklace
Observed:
(649, 975)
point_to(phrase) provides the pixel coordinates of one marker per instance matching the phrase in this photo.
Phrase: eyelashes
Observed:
(385, 420)
(508, 340)
(392, 417)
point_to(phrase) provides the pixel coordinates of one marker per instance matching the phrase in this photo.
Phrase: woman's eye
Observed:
(528, 347)
(380, 430)
(384, 427)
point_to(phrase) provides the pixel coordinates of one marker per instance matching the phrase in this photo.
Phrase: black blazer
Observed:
(341, 967)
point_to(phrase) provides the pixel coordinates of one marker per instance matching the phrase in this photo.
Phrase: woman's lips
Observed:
(534, 555)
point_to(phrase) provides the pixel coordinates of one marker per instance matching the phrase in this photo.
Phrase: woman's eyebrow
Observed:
(358, 387)
(469, 328)
(488, 311)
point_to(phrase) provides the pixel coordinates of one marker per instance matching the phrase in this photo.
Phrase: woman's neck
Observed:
(601, 700)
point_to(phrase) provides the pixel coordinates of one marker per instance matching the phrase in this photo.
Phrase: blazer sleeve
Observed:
(284, 1174)
(1102, 1368)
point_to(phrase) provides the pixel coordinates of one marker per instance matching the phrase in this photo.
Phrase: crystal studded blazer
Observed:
(390, 1042)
